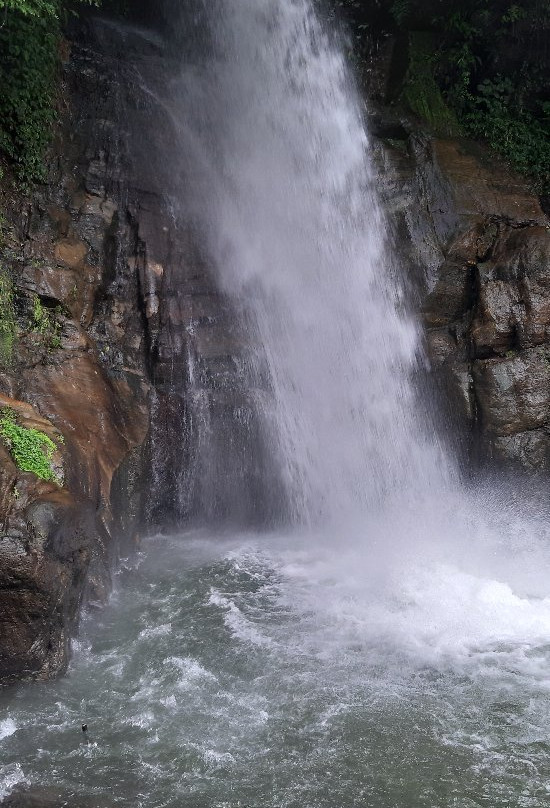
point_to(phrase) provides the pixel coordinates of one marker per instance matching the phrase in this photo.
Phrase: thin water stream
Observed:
(389, 648)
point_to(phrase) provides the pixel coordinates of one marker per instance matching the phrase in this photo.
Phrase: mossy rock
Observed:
(420, 92)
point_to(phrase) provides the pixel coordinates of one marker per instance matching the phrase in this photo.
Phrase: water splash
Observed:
(297, 236)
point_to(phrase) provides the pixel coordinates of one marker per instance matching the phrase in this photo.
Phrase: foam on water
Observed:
(7, 728)
(300, 682)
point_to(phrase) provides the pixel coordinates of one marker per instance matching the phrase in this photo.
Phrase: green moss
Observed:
(8, 325)
(30, 34)
(421, 92)
(28, 69)
(31, 450)
(46, 323)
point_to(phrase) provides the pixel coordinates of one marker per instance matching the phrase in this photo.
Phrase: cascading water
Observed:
(296, 234)
(390, 649)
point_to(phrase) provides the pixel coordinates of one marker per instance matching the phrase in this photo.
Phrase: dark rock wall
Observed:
(143, 379)
(72, 250)
(475, 243)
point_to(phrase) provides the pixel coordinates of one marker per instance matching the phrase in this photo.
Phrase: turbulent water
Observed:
(264, 671)
(390, 649)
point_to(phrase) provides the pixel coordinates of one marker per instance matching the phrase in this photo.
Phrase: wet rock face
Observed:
(125, 353)
(480, 254)
(76, 372)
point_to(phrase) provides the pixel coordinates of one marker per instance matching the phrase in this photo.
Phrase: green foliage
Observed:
(38, 8)
(28, 64)
(29, 47)
(31, 8)
(421, 91)
(8, 326)
(490, 62)
(31, 450)
(46, 323)
(517, 135)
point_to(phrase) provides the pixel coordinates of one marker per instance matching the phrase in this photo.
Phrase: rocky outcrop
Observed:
(120, 348)
(74, 368)
(476, 244)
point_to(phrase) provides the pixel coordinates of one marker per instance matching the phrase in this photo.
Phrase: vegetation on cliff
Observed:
(30, 35)
(31, 449)
(8, 324)
(476, 67)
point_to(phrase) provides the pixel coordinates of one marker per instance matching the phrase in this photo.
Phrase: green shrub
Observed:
(28, 66)
(8, 326)
(421, 92)
(488, 65)
(29, 56)
(31, 450)
(517, 135)
(46, 323)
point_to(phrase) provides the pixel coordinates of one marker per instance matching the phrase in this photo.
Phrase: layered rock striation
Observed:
(475, 246)
(74, 368)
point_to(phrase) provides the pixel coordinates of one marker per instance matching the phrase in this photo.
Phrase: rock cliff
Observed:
(475, 245)
(74, 368)
(117, 346)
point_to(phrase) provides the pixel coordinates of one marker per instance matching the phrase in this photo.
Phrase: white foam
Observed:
(192, 672)
(238, 624)
(428, 611)
(156, 631)
(7, 728)
(10, 776)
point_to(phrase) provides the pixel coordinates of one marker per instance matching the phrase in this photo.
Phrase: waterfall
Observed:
(386, 643)
(295, 230)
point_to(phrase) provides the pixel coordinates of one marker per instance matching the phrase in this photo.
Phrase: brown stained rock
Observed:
(61, 218)
(485, 242)
(43, 550)
(8, 476)
(75, 244)
(500, 315)
(99, 207)
(51, 535)
(469, 187)
(71, 252)
(55, 282)
(474, 242)
(100, 417)
(28, 416)
(72, 282)
(451, 295)
(513, 310)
